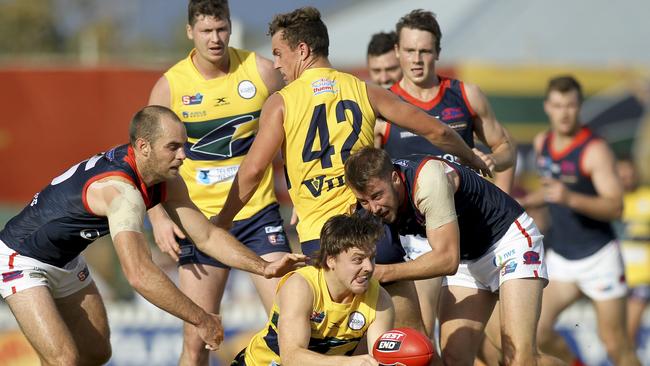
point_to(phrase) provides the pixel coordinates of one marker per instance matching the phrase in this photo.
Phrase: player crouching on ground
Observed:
(327, 308)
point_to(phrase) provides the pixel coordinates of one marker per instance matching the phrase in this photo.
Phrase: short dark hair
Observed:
(564, 84)
(422, 20)
(214, 8)
(145, 123)
(381, 43)
(302, 25)
(343, 232)
(366, 164)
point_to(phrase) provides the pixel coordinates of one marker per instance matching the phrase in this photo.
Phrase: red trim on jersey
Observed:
(130, 159)
(92, 180)
(581, 159)
(578, 139)
(13, 290)
(426, 105)
(467, 103)
(535, 273)
(524, 233)
(11, 260)
(384, 137)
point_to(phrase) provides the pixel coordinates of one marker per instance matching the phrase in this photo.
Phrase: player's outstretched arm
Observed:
(384, 318)
(122, 204)
(217, 242)
(265, 147)
(295, 300)
(389, 106)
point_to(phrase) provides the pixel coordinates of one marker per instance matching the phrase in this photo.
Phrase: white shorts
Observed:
(600, 276)
(20, 273)
(518, 254)
(414, 246)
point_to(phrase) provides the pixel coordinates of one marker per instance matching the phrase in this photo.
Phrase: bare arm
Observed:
(217, 242)
(384, 318)
(380, 128)
(160, 94)
(607, 205)
(265, 147)
(271, 77)
(388, 105)
(165, 230)
(294, 330)
(122, 204)
(442, 260)
(490, 131)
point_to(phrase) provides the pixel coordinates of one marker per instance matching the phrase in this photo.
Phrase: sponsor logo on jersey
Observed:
(218, 102)
(316, 185)
(452, 113)
(216, 175)
(323, 85)
(89, 234)
(246, 89)
(195, 114)
(273, 229)
(13, 275)
(317, 317)
(192, 99)
(277, 239)
(356, 320)
(391, 341)
(531, 257)
(83, 274)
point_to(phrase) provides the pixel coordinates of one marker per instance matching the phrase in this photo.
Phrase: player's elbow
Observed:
(617, 210)
(135, 276)
(451, 265)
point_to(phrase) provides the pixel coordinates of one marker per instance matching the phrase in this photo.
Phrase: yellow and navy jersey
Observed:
(635, 236)
(336, 328)
(327, 117)
(221, 116)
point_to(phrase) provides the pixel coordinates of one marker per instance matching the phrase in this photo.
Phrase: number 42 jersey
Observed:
(327, 117)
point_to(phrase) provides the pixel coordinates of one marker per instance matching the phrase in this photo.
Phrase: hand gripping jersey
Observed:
(336, 328)
(327, 117)
(484, 211)
(450, 106)
(221, 117)
(572, 235)
(58, 224)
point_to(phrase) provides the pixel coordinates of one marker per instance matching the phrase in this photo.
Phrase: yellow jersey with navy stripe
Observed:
(336, 328)
(327, 117)
(635, 238)
(221, 116)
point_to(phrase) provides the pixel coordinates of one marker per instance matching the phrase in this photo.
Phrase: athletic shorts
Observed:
(389, 249)
(263, 233)
(414, 246)
(600, 276)
(518, 254)
(20, 273)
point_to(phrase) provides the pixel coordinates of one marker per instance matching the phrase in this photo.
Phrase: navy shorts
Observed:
(263, 233)
(389, 248)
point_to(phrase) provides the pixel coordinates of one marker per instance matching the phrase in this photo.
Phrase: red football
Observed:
(403, 347)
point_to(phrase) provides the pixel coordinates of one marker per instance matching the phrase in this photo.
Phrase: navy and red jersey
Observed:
(58, 224)
(484, 212)
(571, 234)
(450, 106)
